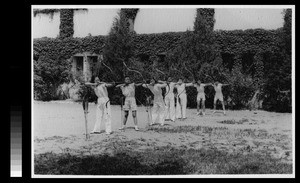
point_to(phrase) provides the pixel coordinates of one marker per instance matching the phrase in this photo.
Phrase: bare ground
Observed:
(58, 127)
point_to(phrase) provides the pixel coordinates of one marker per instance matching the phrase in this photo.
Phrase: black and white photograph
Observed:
(163, 91)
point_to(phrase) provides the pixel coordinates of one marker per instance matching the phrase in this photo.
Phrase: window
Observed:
(79, 63)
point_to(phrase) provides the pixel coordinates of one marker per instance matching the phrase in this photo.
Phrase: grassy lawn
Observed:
(161, 161)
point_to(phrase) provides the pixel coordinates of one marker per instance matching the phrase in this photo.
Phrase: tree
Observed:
(130, 13)
(278, 67)
(118, 50)
(287, 30)
(198, 55)
(66, 26)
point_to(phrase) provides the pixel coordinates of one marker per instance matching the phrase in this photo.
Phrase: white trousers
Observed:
(181, 107)
(158, 112)
(103, 113)
(170, 107)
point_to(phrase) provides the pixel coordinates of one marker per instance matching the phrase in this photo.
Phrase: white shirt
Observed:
(129, 90)
(156, 90)
(181, 88)
(200, 88)
(101, 90)
(170, 89)
(218, 89)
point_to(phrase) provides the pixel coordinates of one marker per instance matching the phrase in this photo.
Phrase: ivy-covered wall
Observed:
(231, 42)
(256, 47)
(237, 42)
(66, 48)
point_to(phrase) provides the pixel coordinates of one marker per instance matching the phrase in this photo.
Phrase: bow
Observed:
(167, 82)
(134, 71)
(102, 62)
(109, 70)
(139, 74)
(160, 71)
(167, 85)
(188, 70)
(173, 68)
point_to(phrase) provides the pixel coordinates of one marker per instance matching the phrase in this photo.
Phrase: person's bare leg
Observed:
(125, 116)
(215, 106)
(223, 105)
(198, 107)
(135, 120)
(203, 107)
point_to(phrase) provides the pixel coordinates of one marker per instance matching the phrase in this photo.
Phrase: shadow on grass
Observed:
(119, 164)
(162, 161)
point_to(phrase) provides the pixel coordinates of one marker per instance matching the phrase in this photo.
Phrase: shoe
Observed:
(162, 124)
(92, 132)
(203, 113)
(136, 128)
(198, 113)
(224, 113)
(122, 128)
(108, 133)
(213, 112)
(151, 124)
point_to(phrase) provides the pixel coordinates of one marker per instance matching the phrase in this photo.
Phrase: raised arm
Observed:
(208, 84)
(145, 85)
(88, 83)
(162, 85)
(93, 85)
(138, 84)
(189, 84)
(160, 81)
(119, 85)
(109, 84)
(225, 84)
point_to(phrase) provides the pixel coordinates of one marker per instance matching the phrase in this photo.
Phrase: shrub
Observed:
(48, 75)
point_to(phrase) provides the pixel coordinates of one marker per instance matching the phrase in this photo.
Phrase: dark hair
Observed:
(154, 79)
(147, 81)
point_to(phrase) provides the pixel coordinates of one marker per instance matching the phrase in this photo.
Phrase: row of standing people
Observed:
(163, 106)
(181, 98)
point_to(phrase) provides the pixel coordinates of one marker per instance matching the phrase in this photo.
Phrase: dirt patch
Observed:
(238, 132)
